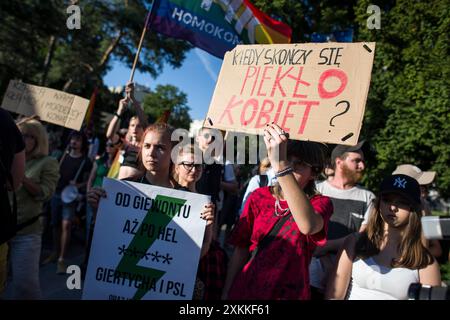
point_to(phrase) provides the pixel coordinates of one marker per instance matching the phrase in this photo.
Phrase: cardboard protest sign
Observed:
(50, 105)
(146, 243)
(314, 91)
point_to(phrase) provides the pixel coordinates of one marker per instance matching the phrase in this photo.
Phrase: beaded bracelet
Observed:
(284, 172)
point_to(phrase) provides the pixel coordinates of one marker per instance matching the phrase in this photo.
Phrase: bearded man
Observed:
(352, 205)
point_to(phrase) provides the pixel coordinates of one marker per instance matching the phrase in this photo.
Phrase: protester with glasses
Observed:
(280, 225)
(388, 256)
(188, 169)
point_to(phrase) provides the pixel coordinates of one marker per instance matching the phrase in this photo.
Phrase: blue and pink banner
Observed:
(216, 26)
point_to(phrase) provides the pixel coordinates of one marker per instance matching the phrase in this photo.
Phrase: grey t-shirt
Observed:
(351, 208)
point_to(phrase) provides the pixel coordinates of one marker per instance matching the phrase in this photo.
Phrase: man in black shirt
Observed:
(74, 170)
(218, 174)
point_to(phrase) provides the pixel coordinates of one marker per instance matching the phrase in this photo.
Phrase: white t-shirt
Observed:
(371, 281)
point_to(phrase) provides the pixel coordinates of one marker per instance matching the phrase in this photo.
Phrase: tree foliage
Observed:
(306, 17)
(168, 98)
(407, 116)
(37, 47)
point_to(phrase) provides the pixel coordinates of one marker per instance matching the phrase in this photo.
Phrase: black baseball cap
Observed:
(403, 185)
(340, 149)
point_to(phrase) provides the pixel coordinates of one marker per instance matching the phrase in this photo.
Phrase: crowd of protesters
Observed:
(285, 232)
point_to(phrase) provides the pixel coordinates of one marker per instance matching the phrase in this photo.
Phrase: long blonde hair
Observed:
(413, 254)
(35, 129)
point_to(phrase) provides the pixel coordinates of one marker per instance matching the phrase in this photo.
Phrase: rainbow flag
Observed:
(216, 26)
(113, 172)
(90, 110)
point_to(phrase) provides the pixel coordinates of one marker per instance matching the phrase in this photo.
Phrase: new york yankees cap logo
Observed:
(404, 185)
(400, 183)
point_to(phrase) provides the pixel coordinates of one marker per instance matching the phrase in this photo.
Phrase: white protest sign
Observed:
(314, 91)
(146, 243)
(50, 105)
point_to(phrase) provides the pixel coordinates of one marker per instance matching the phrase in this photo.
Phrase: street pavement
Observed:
(54, 286)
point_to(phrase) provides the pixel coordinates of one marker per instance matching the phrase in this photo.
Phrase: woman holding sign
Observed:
(155, 154)
(156, 158)
(280, 226)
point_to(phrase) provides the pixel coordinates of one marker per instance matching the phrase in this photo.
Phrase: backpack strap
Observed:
(27, 223)
(263, 180)
(79, 169)
(270, 236)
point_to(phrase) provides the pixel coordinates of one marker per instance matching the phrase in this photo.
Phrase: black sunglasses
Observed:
(301, 163)
(189, 165)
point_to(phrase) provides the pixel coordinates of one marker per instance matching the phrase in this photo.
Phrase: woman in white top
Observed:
(384, 260)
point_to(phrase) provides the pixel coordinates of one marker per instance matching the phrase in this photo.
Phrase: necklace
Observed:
(280, 212)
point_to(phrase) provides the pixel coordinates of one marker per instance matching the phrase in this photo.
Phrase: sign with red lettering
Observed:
(314, 91)
(50, 105)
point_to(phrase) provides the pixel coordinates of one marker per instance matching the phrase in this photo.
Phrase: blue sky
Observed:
(196, 77)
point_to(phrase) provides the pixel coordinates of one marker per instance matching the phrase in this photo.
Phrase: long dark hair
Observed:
(413, 255)
(84, 141)
(313, 153)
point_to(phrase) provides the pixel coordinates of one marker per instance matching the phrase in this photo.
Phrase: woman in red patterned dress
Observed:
(277, 267)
